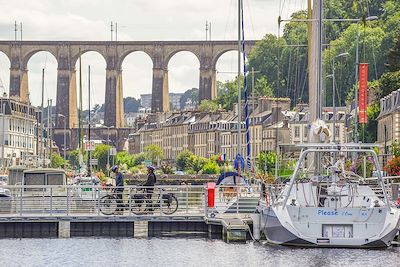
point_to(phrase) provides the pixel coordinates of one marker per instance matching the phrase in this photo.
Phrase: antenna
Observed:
(15, 30)
(206, 30)
(111, 30)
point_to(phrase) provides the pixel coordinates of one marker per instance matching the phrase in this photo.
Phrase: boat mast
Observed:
(315, 63)
(41, 152)
(239, 113)
(89, 152)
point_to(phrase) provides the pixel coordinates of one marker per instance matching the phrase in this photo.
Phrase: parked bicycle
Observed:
(140, 204)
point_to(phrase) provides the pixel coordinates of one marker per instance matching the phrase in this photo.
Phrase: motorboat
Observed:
(329, 206)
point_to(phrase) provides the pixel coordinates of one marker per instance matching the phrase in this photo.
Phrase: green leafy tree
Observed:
(263, 87)
(389, 82)
(192, 94)
(166, 168)
(197, 163)
(153, 153)
(371, 127)
(73, 158)
(211, 167)
(266, 161)
(183, 159)
(396, 149)
(56, 161)
(208, 105)
(100, 153)
(138, 159)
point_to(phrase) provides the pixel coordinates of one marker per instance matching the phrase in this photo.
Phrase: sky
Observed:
(138, 20)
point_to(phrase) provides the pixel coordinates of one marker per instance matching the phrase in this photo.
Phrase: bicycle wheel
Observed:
(169, 206)
(138, 204)
(108, 205)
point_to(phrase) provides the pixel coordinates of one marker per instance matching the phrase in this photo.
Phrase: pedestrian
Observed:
(149, 186)
(119, 189)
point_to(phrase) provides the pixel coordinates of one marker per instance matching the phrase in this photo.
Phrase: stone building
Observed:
(388, 123)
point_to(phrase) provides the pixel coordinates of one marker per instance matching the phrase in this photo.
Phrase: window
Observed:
(337, 130)
(305, 131)
(297, 131)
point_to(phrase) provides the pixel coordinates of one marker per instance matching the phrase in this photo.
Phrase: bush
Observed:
(183, 159)
(211, 167)
(358, 166)
(393, 167)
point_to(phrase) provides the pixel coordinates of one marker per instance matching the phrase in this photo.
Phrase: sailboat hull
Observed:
(280, 230)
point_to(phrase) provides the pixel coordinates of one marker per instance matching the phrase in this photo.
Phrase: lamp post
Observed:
(65, 140)
(333, 92)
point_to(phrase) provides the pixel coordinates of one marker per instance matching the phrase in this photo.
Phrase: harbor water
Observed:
(180, 252)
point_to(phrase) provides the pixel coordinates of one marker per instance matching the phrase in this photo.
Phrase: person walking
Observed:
(119, 189)
(149, 186)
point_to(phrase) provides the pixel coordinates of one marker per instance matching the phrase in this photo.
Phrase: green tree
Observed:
(396, 149)
(371, 127)
(153, 153)
(370, 41)
(183, 159)
(138, 159)
(263, 87)
(228, 94)
(73, 158)
(394, 56)
(192, 94)
(208, 105)
(197, 163)
(389, 82)
(211, 167)
(56, 161)
(266, 161)
(100, 153)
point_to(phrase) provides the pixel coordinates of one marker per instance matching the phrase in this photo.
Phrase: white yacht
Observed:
(329, 206)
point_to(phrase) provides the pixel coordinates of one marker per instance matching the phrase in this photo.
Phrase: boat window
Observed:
(55, 179)
(34, 179)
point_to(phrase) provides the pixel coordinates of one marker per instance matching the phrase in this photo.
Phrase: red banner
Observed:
(362, 92)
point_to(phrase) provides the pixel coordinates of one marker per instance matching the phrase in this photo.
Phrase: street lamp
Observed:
(333, 93)
(65, 140)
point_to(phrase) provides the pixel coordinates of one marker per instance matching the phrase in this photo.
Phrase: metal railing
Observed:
(89, 200)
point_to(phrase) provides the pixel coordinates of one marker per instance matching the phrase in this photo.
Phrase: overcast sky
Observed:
(137, 20)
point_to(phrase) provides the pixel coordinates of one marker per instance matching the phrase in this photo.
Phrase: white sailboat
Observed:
(324, 205)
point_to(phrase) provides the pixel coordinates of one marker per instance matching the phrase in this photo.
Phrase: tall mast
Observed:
(90, 154)
(315, 62)
(41, 120)
(239, 134)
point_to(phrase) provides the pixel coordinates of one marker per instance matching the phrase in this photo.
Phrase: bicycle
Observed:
(139, 203)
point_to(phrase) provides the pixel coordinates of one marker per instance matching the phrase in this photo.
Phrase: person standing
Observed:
(149, 186)
(119, 189)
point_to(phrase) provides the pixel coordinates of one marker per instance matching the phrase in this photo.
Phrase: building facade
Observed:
(388, 123)
(18, 132)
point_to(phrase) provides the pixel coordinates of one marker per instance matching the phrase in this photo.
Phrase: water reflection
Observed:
(179, 252)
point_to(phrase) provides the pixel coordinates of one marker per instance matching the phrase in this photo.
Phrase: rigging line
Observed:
(304, 80)
(250, 17)
(296, 74)
(227, 19)
(373, 48)
(289, 70)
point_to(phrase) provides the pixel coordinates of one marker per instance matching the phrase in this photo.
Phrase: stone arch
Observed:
(169, 55)
(218, 55)
(77, 52)
(136, 65)
(128, 52)
(27, 56)
(5, 79)
(32, 70)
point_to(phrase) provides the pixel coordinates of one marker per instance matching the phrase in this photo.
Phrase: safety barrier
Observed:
(89, 200)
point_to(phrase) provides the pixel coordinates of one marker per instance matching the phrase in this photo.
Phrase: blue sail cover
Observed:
(234, 176)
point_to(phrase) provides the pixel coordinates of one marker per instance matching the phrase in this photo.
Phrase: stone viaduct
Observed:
(68, 52)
